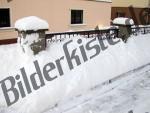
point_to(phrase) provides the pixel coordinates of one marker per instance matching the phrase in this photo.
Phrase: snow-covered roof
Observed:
(123, 21)
(31, 23)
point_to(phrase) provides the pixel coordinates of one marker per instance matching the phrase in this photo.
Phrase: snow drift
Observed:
(108, 64)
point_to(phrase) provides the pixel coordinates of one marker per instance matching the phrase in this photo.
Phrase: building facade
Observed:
(138, 10)
(62, 15)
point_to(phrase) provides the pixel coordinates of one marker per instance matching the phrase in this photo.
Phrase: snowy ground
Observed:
(131, 93)
(80, 90)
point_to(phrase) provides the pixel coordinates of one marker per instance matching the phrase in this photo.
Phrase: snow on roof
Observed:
(31, 23)
(123, 21)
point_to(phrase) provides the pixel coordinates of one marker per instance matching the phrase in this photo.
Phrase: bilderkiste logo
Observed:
(43, 73)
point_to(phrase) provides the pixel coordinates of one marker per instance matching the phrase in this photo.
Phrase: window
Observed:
(120, 14)
(4, 18)
(76, 16)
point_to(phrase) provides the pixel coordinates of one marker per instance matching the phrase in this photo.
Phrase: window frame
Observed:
(10, 19)
(82, 21)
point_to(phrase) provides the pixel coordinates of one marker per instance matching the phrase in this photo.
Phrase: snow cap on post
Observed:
(31, 34)
(31, 23)
(123, 21)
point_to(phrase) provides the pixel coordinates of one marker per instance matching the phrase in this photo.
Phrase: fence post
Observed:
(144, 31)
(31, 34)
(125, 29)
(117, 32)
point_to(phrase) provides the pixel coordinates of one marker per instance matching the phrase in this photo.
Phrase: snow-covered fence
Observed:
(106, 33)
(110, 33)
(127, 28)
(32, 25)
(140, 30)
(52, 37)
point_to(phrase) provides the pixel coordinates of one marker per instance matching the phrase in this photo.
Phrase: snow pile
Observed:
(130, 93)
(7, 110)
(123, 21)
(111, 62)
(31, 23)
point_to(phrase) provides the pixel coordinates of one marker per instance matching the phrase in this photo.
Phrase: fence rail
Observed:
(108, 33)
(140, 30)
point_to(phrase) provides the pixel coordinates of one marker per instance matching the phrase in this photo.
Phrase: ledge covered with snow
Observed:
(123, 21)
(31, 23)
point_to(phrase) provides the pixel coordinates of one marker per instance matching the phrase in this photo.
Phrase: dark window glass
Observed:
(76, 16)
(4, 18)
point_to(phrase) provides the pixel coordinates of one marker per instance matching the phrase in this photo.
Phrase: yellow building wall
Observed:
(126, 3)
(57, 13)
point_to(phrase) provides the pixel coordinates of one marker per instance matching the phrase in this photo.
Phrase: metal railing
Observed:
(108, 33)
(140, 30)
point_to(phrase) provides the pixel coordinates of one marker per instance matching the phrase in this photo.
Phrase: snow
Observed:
(104, 0)
(112, 62)
(126, 94)
(123, 21)
(100, 27)
(31, 23)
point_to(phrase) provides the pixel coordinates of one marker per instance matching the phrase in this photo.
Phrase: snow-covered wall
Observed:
(108, 63)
